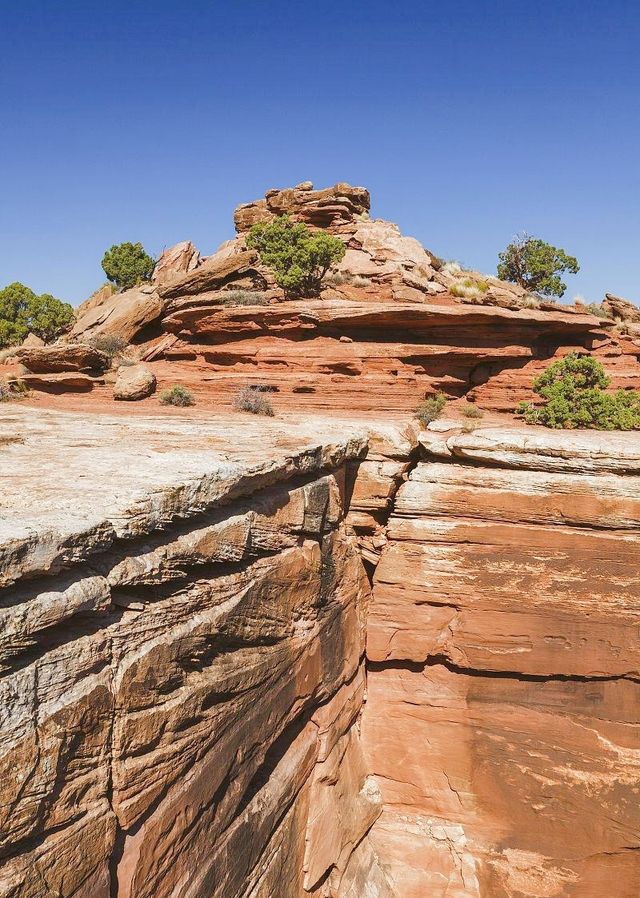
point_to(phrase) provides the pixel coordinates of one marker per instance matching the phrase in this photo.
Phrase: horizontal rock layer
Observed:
(181, 660)
(504, 672)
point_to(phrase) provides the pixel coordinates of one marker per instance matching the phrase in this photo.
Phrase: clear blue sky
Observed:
(468, 121)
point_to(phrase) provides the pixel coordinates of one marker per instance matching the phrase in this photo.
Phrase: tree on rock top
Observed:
(536, 265)
(23, 312)
(298, 257)
(127, 264)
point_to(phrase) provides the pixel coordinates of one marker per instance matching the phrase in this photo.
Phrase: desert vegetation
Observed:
(431, 408)
(574, 394)
(536, 265)
(178, 396)
(299, 258)
(252, 399)
(127, 264)
(24, 312)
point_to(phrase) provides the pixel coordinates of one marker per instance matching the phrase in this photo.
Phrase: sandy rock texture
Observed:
(182, 658)
(504, 671)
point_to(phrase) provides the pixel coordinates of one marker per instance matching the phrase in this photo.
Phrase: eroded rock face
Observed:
(62, 357)
(503, 683)
(178, 259)
(179, 703)
(124, 315)
(321, 208)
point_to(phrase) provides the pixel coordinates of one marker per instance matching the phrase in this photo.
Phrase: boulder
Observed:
(320, 208)
(32, 341)
(122, 315)
(63, 357)
(134, 382)
(178, 259)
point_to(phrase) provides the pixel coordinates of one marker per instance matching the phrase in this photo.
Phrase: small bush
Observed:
(299, 258)
(110, 344)
(574, 392)
(249, 399)
(243, 298)
(431, 409)
(472, 411)
(598, 310)
(127, 264)
(177, 395)
(359, 281)
(17, 389)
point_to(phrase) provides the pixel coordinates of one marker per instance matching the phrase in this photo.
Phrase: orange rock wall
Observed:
(504, 676)
(180, 711)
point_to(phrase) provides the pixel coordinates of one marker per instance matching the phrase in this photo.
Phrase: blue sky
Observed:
(468, 121)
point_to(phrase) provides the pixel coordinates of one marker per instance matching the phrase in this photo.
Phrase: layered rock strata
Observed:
(504, 669)
(181, 656)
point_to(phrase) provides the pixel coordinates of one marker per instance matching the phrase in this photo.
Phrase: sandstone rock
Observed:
(63, 357)
(123, 315)
(621, 309)
(178, 259)
(134, 382)
(32, 341)
(177, 713)
(212, 274)
(63, 382)
(501, 654)
(320, 208)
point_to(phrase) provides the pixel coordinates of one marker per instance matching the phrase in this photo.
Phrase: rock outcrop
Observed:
(321, 208)
(182, 660)
(125, 315)
(503, 669)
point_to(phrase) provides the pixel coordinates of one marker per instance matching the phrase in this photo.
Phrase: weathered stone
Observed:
(62, 357)
(124, 315)
(134, 382)
(212, 274)
(178, 259)
(321, 208)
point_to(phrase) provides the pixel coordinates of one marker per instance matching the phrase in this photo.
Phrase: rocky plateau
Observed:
(329, 653)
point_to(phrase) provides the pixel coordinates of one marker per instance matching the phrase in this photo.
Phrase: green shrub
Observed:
(574, 393)
(431, 409)
(536, 265)
(472, 411)
(298, 257)
(177, 395)
(127, 264)
(252, 399)
(23, 312)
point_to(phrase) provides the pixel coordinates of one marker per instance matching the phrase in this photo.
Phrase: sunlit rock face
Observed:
(182, 660)
(202, 697)
(503, 686)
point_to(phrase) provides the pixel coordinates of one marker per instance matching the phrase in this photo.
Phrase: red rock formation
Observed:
(503, 674)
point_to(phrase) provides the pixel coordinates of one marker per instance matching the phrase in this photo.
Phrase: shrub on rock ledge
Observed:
(298, 257)
(127, 264)
(22, 312)
(574, 390)
(431, 409)
(536, 265)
